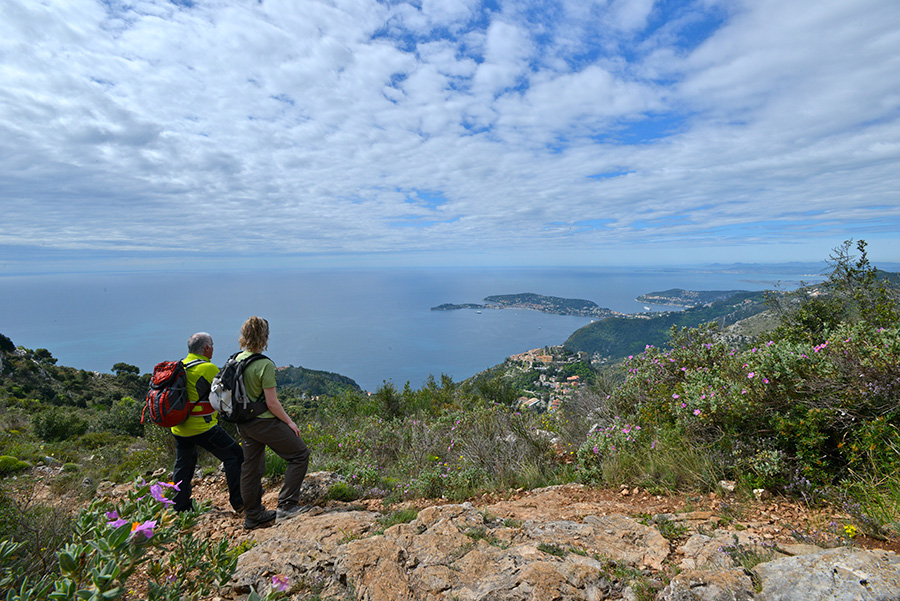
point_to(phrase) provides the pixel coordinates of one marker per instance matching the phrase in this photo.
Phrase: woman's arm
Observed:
(277, 410)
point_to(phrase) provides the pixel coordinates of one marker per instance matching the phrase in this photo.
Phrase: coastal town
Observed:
(553, 379)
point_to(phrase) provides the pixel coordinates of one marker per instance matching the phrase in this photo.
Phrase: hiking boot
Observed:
(265, 517)
(286, 513)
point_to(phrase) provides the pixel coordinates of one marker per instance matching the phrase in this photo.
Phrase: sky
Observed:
(180, 134)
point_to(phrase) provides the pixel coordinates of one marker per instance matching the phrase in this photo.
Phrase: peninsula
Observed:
(678, 297)
(536, 302)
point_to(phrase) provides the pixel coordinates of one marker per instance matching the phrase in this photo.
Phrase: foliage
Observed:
(10, 465)
(111, 540)
(55, 424)
(616, 337)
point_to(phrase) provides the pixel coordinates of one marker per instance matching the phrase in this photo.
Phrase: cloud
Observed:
(566, 127)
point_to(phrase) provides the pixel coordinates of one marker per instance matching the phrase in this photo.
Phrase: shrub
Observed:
(10, 465)
(111, 541)
(57, 423)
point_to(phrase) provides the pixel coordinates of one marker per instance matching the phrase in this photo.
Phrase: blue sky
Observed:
(156, 134)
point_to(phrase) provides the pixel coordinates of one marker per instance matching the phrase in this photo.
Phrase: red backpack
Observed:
(167, 400)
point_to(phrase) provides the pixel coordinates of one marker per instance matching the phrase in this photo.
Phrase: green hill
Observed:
(616, 337)
(311, 382)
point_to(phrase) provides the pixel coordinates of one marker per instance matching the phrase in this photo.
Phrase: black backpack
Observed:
(229, 397)
(167, 400)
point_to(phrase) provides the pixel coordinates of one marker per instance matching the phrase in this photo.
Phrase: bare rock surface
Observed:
(560, 543)
(836, 574)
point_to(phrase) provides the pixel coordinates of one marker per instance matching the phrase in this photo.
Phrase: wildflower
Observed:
(114, 520)
(156, 491)
(146, 528)
(696, 412)
(684, 405)
(675, 396)
(765, 380)
(280, 582)
(751, 374)
(850, 530)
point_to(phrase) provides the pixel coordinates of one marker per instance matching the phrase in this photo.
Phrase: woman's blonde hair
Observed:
(254, 335)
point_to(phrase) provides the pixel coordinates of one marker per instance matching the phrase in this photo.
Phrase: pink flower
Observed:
(156, 491)
(765, 380)
(751, 374)
(683, 405)
(115, 521)
(675, 396)
(696, 412)
(280, 582)
(145, 529)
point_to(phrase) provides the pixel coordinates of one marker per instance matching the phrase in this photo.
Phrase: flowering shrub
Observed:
(112, 540)
(606, 441)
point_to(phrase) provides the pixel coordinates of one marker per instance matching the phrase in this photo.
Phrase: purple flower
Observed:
(751, 374)
(116, 522)
(156, 491)
(112, 515)
(145, 529)
(280, 582)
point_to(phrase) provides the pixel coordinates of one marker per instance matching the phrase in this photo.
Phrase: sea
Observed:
(373, 325)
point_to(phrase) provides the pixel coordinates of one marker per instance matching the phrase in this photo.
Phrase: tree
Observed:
(42, 355)
(854, 291)
(6, 345)
(126, 368)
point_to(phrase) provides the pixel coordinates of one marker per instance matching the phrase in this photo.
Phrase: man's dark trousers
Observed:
(218, 442)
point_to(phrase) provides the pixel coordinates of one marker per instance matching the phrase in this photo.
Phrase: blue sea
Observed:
(372, 325)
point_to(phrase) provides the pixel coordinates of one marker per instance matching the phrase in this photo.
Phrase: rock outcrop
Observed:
(561, 543)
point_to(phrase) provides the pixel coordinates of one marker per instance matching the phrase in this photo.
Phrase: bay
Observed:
(372, 325)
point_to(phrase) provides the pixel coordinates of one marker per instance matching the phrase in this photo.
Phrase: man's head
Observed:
(201, 343)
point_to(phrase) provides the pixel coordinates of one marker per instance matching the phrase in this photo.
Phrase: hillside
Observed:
(679, 297)
(616, 337)
(313, 383)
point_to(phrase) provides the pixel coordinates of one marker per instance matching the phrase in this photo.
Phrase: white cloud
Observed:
(307, 128)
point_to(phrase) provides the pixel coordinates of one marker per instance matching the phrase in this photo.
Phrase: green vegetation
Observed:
(686, 298)
(612, 338)
(535, 302)
(808, 409)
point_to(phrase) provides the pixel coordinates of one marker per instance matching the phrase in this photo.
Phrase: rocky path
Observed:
(562, 542)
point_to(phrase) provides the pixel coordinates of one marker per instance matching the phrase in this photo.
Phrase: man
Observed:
(201, 429)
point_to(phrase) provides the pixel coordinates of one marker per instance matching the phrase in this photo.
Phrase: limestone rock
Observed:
(449, 552)
(709, 585)
(835, 575)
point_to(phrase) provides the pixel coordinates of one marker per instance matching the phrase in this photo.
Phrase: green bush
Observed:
(58, 423)
(11, 465)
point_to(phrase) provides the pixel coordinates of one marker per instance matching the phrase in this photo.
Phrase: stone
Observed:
(842, 574)
(709, 585)
(761, 494)
(727, 485)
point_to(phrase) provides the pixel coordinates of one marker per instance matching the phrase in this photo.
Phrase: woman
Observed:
(273, 429)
